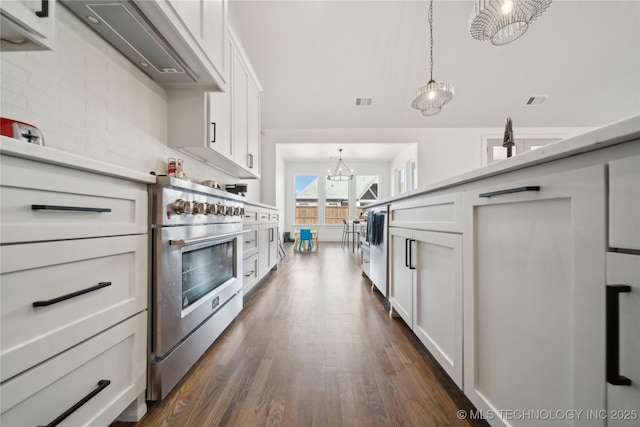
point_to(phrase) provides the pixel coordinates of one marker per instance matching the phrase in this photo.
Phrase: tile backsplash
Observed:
(88, 99)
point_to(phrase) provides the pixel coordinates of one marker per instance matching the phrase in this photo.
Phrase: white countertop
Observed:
(16, 148)
(606, 136)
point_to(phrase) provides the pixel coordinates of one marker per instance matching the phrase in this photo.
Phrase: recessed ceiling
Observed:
(314, 57)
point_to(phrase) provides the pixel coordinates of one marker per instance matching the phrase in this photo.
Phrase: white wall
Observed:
(408, 155)
(88, 99)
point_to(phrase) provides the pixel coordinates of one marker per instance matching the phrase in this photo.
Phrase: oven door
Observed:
(197, 269)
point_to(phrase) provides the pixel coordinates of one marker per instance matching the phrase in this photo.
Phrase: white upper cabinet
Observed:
(220, 128)
(27, 24)
(253, 127)
(206, 21)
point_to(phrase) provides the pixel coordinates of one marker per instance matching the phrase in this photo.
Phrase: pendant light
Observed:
(337, 174)
(503, 21)
(430, 98)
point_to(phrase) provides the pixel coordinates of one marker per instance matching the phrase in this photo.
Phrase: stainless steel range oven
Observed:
(196, 275)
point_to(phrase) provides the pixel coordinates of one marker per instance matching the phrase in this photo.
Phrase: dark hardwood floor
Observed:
(314, 346)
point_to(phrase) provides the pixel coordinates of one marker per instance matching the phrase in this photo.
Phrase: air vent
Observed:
(534, 101)
(364, 102)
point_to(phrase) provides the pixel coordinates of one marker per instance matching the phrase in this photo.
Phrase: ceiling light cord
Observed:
(430, 98)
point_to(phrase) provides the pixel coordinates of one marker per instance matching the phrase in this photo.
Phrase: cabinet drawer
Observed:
(263, 216)
(55, 203)
(624, 203)
(250, 214)
(250, 273)
(274, 216)
(250, 240)
(438, 213)
(43, 393)
(41, 272)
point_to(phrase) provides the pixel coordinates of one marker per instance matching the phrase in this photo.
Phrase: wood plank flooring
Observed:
(313, 346)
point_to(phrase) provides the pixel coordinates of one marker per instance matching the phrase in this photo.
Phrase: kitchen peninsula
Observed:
(511, 275)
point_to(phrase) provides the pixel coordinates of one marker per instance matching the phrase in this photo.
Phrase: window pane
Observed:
(306, 199)
(366, 191)
(336, 202)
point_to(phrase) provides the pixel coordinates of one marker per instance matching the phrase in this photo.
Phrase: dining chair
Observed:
(305, 239)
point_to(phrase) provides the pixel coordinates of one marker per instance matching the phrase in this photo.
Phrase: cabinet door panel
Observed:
(239, 133)
(401, 286)
(437, 320)
(624, 269)
(533, 297)
(624, 203)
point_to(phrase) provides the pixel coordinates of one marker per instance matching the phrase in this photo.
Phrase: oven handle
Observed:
(196, 240)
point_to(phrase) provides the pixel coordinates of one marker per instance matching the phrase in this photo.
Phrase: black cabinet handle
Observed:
(411, 267)
(249, 274)
(511, 190)
(613, 335)
(406, 252)
(71, 295)
(102, 384)
(213, 126)
(45, 10)
(67, 208)
(250, 161)
(249, 241)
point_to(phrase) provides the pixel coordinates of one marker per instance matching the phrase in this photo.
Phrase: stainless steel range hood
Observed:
(143, 32)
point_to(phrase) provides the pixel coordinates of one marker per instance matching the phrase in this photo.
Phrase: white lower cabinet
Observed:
(267, 247)
(73, 289)
(426, 291)
(623, 339)
(101, 376)
(533, 296)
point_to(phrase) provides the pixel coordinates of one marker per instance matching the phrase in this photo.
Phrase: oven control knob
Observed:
(241, 213)
(220, 209)
(210, 209)
(227, 210)
(234, 210)
(198, 208)
(181, 206)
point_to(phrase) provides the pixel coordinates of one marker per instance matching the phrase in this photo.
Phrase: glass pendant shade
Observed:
(430, 98)
(503, 21)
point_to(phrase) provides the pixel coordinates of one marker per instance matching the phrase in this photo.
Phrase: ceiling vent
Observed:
(364, 102)
(537, 100)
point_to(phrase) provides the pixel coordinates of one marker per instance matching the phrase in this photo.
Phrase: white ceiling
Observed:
(314, 57)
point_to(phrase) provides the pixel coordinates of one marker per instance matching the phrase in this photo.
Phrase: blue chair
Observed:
(305, 236)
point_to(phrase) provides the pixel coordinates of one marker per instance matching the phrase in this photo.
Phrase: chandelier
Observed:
(337, 174)
(503, 21)
(430, 98)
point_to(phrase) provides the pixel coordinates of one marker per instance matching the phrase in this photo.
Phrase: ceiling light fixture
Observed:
(430, 98)
(337, 174)
(503, 21)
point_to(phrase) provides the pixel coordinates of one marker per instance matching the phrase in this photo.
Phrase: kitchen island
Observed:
(520, 276)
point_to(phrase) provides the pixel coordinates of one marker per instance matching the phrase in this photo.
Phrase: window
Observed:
(366, 191)
(336, 206)
(306, 199)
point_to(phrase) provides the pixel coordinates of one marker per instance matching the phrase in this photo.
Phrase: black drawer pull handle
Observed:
(102, 384)
(411, 267)
(511, 190)
(613, 335)
(250, 241)
(71, 295)
(67, 208)
(45, 9)
(249, 274)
